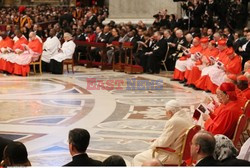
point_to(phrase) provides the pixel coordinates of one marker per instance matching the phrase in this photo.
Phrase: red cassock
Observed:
(242, 99)
(224, 119)
(195, 73)
(19, 42)
(7, 42)
(233, 66)
(179, 74)
(37, 47)
(246, 93)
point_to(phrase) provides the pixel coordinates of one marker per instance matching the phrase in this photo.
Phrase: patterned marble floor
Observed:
(40, 110)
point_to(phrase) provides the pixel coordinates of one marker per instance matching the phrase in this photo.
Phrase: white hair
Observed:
(68, 35)
(172, 106)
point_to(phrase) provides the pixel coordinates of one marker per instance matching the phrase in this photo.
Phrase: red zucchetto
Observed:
(229, 89)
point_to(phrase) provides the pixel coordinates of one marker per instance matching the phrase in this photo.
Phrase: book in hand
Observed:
(199, 110)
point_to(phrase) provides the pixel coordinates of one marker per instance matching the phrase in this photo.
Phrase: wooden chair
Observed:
(129, 67)
(240, 127)
(184, 154)
(163, 62)
(68, 62)
(39, 63)
(118, 66)
(246, 109)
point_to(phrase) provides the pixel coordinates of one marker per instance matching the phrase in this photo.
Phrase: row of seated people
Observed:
(17, 54)
(206, 149)
(222, 119)
(205, 66)
(15, 154)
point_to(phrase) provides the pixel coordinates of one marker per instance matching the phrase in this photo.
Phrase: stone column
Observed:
(135, 10)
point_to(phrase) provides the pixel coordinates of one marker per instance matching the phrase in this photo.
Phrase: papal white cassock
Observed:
(172, 137)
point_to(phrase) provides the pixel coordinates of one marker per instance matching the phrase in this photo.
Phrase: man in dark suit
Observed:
(78, 144)
(156, 55)
(3, 143)
(202, 149)
(244, 50)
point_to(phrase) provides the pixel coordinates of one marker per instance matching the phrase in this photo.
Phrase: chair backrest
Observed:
(127, 45)
(246, 109)
(116, 43)
(240, 127)
(185, 151)
(166, 55)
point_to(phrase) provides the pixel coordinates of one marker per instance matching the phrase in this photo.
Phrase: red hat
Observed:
(197, 38)
(212, 42)
(21, 9)
(230, 51)
(242, 78)
(232, 77)
(229, 88)
(222, 42)
(204, 40)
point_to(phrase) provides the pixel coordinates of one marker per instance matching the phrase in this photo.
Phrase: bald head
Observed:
(247, 66)
(203, 145)
(216, 36)
(153, 162)
(32, 35)
(206, 141)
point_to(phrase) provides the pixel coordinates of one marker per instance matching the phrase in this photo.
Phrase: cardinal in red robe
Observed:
(225, 117)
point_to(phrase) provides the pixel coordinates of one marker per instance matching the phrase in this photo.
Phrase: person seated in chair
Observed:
(172, 136)
(226, 152)
(66, 52)
(50, 48)
(224, 118)
(202, 149)
(151, 60)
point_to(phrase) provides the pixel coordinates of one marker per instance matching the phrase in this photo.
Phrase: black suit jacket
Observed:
(246, 54)
(234, 162)
(3, 143)
(160, 49)
(208, 161)
(83, 160)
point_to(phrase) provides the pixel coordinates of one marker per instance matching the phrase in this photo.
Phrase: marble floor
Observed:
(40, 110)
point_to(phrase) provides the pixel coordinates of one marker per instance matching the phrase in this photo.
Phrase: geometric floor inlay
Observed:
(40, 110)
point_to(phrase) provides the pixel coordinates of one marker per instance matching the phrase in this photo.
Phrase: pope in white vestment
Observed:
(172, 136)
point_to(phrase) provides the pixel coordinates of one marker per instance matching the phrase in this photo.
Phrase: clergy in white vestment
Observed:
(179, 121)
(65, 52)
(50, 48)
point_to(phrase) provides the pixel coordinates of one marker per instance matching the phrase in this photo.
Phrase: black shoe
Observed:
(192, 86)
(150, 72)
(172, 79)
(186, 85)
(208, 91)
(195, 88)
(183, 81)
